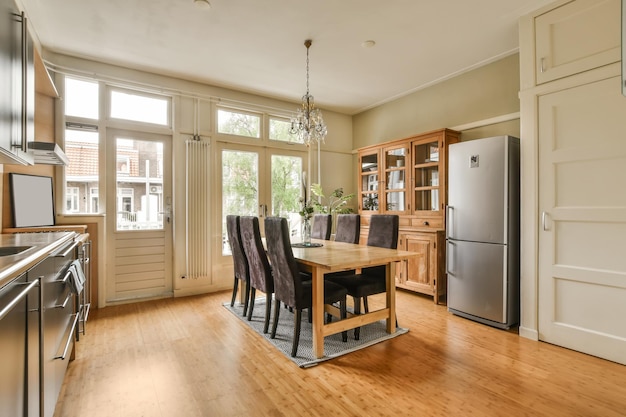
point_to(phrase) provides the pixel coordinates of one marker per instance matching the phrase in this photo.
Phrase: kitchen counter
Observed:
(41, 245)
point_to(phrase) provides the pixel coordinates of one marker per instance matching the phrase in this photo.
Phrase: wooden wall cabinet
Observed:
(408, 177)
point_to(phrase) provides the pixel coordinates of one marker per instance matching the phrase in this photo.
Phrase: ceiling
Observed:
(258, 46)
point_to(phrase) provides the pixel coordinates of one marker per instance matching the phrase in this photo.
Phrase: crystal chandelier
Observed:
(308, 123)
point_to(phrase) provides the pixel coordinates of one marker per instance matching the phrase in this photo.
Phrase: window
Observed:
(139, 182)
(71, 199)
(94, 199)
(81, 98)
(81, 144)
(140, 108)
(126, 215)
(123, 164)
(81, 148)
(238, 123)
(279, 130)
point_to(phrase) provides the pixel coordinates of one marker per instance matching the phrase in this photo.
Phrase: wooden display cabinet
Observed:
(408, 177)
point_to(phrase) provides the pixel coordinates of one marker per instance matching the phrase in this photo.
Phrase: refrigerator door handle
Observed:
(449, 210)
(449, 258)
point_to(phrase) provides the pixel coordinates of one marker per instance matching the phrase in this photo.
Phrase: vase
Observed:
(306, 232)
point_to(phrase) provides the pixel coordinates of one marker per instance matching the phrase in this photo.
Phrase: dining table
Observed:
(326, 256)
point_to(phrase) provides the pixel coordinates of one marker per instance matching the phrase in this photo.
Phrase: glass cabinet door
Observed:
(426, 176)
(369, 181)
(395, 195)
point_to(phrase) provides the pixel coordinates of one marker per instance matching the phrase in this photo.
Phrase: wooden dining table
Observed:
(338, 256)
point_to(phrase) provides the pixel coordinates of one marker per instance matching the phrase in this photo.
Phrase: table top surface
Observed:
(335, 256)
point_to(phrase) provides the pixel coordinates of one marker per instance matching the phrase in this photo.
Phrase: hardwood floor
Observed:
(190, 357)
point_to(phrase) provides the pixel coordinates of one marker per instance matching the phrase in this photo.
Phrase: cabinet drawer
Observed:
(576, 37)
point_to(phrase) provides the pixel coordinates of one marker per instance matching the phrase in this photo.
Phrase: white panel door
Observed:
(582, 202)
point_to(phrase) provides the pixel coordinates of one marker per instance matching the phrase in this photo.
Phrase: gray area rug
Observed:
(333, 346)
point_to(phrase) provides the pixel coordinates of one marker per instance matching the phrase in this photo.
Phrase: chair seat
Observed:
(332, 292)
(360, 285)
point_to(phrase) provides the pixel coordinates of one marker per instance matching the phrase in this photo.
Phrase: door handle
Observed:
(449, 210)
(544, 223)
(449, 259)
(262, 210)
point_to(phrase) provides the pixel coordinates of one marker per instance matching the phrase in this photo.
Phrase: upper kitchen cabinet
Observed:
(576, 37)
(17, 76)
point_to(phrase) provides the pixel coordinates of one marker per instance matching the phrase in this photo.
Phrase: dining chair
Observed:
(240, 262)
(288, 285)
(348, 228)
(260, 270)
(383, 233)
(322, 225)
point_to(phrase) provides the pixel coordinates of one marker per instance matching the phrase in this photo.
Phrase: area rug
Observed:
(333, 346)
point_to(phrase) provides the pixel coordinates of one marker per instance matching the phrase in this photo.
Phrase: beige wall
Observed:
(336, 162)
(481, 94)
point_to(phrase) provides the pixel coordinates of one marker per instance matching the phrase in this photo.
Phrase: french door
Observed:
(259, 181)
(139, 218)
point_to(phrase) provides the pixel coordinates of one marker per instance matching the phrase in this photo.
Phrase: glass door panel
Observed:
(240, 187)
(395, 175)
(139, 184)
(287, 189)
(369, 181)
(260, 182)
(426, 176)
(427, 152)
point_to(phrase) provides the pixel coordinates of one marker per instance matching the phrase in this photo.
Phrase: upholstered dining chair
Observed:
(260, 270)
(240, 262)
(383, 233)
(348, 228)
(288, 285)
(322, 225)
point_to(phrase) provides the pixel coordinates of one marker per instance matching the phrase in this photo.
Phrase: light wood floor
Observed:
(189, 357)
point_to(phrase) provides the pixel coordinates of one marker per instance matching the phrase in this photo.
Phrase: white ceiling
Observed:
(257, 46)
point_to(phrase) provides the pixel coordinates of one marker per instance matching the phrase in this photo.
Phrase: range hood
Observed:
(47, 153)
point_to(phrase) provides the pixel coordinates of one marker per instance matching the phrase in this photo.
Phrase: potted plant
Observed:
(337, 201)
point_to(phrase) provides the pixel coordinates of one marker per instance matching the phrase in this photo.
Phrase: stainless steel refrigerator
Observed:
(482, 230)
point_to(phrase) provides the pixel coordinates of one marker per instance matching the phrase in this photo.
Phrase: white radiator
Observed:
(198, 207)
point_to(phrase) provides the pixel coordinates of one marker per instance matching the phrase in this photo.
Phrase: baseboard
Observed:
(528, 333)
(204, 289)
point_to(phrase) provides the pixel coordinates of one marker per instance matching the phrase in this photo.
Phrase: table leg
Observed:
(318, 312)
(390, 280)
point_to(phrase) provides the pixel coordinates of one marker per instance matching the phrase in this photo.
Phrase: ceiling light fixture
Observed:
(308, 123)
(203, 4)
(368, 44)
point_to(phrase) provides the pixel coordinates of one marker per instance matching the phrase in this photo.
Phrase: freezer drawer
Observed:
(477, 280)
